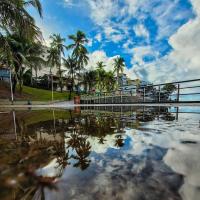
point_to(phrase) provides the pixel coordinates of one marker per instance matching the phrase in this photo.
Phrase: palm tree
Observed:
(100, 75)
(119, 65)
(14, 16)
(109, 81)
(58, 45)
(15, 20)
(79, 52)
(90, 79)
(23, 53)
(70, 65)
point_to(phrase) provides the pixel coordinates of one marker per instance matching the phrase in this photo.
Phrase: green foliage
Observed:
(169, 88)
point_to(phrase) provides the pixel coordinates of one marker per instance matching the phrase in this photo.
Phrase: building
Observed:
(4, 74)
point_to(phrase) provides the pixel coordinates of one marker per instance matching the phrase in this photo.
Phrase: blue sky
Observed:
(155, 37)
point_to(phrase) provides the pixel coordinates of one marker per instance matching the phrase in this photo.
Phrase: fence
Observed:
(182, 91)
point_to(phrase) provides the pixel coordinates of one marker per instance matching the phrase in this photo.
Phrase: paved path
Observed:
(71, 105)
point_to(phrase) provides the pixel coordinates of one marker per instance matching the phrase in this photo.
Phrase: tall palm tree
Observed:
(14, 15)
(25, 53)
(70, 65)
(100, 75)
(16, 20)
(109, 81)
(57, 43)
(79, 51)
(100, 65)
(90, 79)
(119, 65)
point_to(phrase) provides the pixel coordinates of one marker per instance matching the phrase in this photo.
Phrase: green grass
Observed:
(44, 115)
(44, 95)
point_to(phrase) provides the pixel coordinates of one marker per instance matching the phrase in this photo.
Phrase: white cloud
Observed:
(90, 42)
(102, 10)
(182, 63)
(98, 37)
(98, 56)
(141, 31)
(132, 6)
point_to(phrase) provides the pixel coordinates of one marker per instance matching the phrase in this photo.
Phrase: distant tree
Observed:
(119, 65)
(169, 88)
(57, 43)
(70, 65)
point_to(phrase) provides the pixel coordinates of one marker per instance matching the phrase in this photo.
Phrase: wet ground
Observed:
(88, 153)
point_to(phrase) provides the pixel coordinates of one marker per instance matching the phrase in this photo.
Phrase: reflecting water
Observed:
(100, 153)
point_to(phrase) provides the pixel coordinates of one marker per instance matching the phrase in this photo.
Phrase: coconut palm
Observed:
(79, 52)
(14, 15)
(70, 65)
(23, 54)
(57, 43)
(119, 65)
(100, 75)
(16, 21)
(109, 81)
(90, 79)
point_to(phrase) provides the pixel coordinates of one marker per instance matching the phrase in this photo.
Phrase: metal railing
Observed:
(185, 91)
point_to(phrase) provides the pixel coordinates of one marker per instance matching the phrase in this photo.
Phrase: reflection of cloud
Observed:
(50, 170)
(184, 159)
(109, 142)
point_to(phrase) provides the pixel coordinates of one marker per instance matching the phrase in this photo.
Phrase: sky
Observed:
(159, 39)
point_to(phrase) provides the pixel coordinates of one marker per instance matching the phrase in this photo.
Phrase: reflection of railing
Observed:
(156, 93)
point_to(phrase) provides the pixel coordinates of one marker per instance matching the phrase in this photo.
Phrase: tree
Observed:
(168, 89)
(18, 27)
(57, 46)
(79, 51)
(91, 78)
(119, 65)
(100, 75)
(14, 16)
(109, 81)
(70, 65)
(23, 54)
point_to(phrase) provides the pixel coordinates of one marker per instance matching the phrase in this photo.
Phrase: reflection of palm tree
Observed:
(119, 141)
(61, 155)
(101, 140)
(83, 151)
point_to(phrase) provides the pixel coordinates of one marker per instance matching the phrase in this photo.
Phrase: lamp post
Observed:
(52, 97)
(11, 88)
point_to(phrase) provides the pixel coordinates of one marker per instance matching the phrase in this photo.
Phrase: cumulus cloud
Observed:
(183, 61)
(141, 31)
(98, 56)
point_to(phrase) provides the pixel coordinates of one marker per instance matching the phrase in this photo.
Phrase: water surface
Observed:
(124, 153)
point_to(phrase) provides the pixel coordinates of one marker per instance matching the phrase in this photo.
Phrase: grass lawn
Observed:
(36, 94)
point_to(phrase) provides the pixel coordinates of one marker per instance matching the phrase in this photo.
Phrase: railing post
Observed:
(121, 96)
(112, 98)
(159, 95)
(144, 94)
(178, 92)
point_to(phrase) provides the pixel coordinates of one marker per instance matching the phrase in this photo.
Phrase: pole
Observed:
(159, 95)
(52, 97)
(11, 88)
(178, 93)
(14, 121)
(144, 95)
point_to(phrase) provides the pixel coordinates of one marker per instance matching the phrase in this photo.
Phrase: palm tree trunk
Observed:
(14, 82)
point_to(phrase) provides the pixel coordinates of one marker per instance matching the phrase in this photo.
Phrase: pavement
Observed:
(70, 104)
